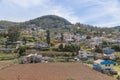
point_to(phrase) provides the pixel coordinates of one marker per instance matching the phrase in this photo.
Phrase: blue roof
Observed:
(107, 62)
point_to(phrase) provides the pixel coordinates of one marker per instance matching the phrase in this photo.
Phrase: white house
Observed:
(82, 54)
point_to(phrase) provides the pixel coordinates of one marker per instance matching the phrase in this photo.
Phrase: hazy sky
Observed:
(95, 12)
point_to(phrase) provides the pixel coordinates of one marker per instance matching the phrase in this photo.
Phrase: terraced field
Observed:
(52, 71)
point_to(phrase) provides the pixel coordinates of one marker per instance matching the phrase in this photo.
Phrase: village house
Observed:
(42, 46)
(83, 55)
(109, 53)
(94, 42)
(69, 37)
(35, 58)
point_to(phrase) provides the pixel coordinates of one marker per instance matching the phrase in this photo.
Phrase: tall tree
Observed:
(62, 37)
(48, 37)
(13, 33)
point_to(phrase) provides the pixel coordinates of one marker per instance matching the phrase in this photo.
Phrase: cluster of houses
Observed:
(70, 37)
(108, 53)
(34, 30)
(35, 58)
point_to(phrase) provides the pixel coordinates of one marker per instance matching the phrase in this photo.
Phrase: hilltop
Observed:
(45, 22)
(58, 24)
(48, 21)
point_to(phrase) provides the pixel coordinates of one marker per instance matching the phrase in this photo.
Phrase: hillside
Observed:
(117, 27)
(8, 23)
(58, 24)
(48, 21)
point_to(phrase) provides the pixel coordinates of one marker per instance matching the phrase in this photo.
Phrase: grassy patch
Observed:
(118, 53)
(8, 57)
(117, 67)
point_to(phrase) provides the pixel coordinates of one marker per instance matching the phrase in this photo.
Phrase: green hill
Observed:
(58, 24)
(48, 22)
(8, 23)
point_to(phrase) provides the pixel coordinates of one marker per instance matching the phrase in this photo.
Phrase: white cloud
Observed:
(84, 11)
(103, 8)
(63, 12)
(47, 7)
(27, 3)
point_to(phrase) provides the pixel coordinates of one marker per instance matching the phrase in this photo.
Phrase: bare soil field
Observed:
(4, 65)
(52, 71)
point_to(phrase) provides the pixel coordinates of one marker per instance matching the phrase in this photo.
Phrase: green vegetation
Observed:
(69, 48)
(118, 53)
(117, 67)
(13, 33)
(11, 57)
(98, 49)
(49, 21)
(22, 50)
(55, 53)
(54, 28)
(58, 24)
(116, 47)
(48, 37)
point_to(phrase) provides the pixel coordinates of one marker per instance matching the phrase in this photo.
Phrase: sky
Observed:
(101, 13)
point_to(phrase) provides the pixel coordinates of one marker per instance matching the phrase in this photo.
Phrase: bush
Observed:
(116, 47)
(90, 61)
(57, 54)
(98, 49)
(22, 50)
(61, 46)
(69, 48)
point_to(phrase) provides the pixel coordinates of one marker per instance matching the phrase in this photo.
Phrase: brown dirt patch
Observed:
(51, 71)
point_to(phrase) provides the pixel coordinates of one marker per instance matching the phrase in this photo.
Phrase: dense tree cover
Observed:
(24, 40)
(22, 50)
(3, 34)
(49, 21)
(69, 48)
(105, 43)
(62, 37)
(7, 23)
(98, 49)
(88, 37)
(48, 37)
(13, 33)
(116, 47)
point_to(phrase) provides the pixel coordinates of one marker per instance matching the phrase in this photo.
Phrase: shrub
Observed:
(116, 47)
(22, 50)
(61, 46)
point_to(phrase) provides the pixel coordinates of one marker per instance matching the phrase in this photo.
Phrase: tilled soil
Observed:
(52, 71)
